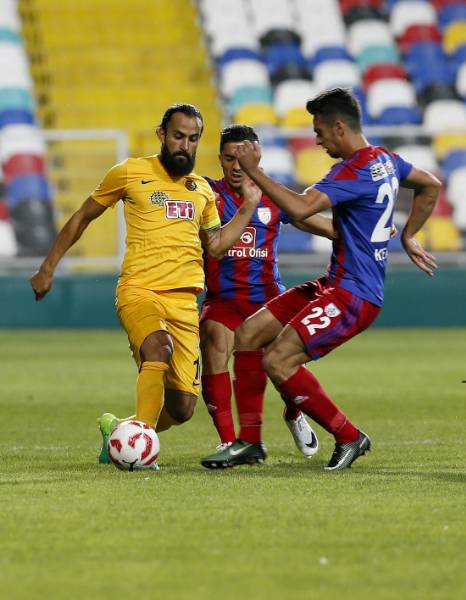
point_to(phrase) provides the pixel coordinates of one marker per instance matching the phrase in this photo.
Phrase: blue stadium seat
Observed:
(16, 116)
(16, 98)
(328, 53)
(26, 187)
(453, 160)
(450, 13)
(294, 240)
(399, 115)
(237, 53)
(278, 55)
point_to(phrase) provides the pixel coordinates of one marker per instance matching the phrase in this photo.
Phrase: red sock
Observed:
(216, 391)
(307, 393)
(291, 411)
(249, 384)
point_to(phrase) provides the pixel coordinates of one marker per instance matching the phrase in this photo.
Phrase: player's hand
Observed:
(251, 193)
(422, 259)
(393, 231)
(248, 154)
(41, 282)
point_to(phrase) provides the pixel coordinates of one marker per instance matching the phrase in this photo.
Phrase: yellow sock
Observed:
(165, 421)
(149, 392)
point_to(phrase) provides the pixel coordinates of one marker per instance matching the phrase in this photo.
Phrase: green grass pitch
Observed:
(391, 527)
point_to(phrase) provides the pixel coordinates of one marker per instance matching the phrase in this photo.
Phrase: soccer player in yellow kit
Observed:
(170, 214)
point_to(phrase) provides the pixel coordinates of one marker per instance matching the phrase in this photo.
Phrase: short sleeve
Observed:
(210, 218)
(403, 166)
(112, 187)
(284, 218)
(339, 190)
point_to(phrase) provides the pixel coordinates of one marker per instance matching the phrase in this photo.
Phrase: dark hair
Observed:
(187, 109)
(237, 133)
(335, 104)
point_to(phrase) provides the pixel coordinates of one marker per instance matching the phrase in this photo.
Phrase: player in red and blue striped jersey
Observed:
(237, 286)
(310, 320)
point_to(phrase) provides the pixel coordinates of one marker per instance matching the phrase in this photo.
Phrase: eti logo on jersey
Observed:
(179, 209)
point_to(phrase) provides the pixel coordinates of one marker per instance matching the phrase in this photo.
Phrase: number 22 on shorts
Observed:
(321, 320)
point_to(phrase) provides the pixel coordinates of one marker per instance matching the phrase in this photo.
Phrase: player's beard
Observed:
(172, 163)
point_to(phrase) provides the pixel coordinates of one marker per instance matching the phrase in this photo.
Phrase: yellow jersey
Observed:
(163, 218)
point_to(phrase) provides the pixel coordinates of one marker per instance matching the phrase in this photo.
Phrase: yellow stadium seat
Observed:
(256, 114)
(454, 36)
(446, 142)
(312, 164)
(296, 117)
(443, 234)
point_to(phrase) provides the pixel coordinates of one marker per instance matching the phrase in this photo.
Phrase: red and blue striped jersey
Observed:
(249, 270)
(363, 190)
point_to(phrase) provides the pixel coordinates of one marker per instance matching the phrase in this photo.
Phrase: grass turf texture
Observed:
(391, 527)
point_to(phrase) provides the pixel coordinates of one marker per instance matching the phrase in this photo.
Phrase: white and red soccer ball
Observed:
(133, 446)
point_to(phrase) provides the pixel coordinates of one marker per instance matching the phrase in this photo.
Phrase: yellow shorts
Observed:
(142, 312)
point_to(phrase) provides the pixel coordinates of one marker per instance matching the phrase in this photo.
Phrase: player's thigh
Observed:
(216, 346)
(141, 313)
(257, 331)
(183, 326)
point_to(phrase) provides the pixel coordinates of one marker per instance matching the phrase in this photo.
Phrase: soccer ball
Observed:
(133, 446)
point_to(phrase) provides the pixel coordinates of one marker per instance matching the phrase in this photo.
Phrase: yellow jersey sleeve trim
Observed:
(211, 224)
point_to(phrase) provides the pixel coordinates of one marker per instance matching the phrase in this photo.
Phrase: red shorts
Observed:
(323, 316)
(230, 313)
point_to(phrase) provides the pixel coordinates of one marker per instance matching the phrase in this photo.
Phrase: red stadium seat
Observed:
(23, 164)
(419, 33)
(383, 71)
(347, 5)
(439, 4)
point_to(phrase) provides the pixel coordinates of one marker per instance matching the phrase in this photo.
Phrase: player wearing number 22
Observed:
(308, 321)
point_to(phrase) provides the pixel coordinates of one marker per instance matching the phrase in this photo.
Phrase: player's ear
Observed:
(339, 127)
(160, 134)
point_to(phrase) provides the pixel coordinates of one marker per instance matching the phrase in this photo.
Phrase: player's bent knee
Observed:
(180, 405)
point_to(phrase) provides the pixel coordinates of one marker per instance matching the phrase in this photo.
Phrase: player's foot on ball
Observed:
(107, 423)
(303, 435)
(238, 453)
(345, 454)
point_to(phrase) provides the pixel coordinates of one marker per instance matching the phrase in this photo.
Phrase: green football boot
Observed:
(238, 453)
(107, 423)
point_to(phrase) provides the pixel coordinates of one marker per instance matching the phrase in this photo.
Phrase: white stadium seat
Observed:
(9, 18)
(461, 81)
(411, 12)
(387, 93)
(14, 66)
(336, 73)
(241, 73)
(320, 24)
(271, 14)
(20, 139)
(8, 245)
(277, 160)
(368, 32)
(441, 116)
(419, 155)
(292, 93)
(456, 187)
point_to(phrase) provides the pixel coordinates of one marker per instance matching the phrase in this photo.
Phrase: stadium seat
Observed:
(20, 139)
(368, 33)
(436, 91)
(256, 115)
(387, 93)
(364, 13)
(251, 94)
(452, 161)
(444, 143)
(34, 227)
(376, 55)
(294, 240)
(399, 115)
(25, 187)
(460, 83)
(444, 115)
(9, 18)
(420, 155)
(237, 54)
(336, 73)
(296, 117)
(320, 24)
(451, 13)
(385, 71)
(240, 73)
(419, 33)
(311, 165)
(456, 186)
(278, 163)
(427, 65)
(454, 36)
(16, 116)
(23, 164)
(278, 55)
(16, 97)
(8, 245)
(411, 12)
(329, 53)
(270, 14)
(292, 93)
(443, 234)
(14, 67)
(321, 245)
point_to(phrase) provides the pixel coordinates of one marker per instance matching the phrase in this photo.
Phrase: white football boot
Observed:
(304, 437)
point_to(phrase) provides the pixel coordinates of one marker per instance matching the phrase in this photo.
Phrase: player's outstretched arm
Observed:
(426, 191)
(219, 240)
(298, 206)
(318, 225)
(41, 281)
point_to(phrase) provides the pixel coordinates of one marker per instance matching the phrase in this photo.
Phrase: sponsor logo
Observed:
(144, 181)
(299, 399)
(381, 254)
(238, 451)
(245, 247)
(331, 310)
(158, 198)
(378, 171)
(179, 209)
(190, 184)
(265, 214)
